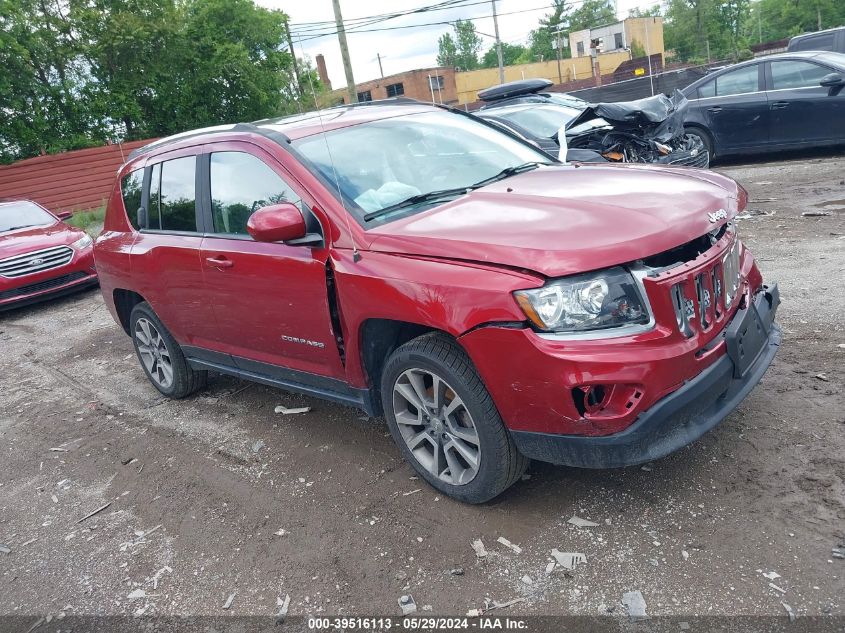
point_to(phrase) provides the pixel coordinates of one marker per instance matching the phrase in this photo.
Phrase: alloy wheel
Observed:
(437, 426)
(154, 353)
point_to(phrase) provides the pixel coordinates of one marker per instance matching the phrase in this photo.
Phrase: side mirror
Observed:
(65, 215)
(833, 82)
(277, 223)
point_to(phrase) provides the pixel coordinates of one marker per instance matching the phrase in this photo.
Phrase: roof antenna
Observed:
(356, 256)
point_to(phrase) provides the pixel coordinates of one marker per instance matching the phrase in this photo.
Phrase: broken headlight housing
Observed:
(581, 303)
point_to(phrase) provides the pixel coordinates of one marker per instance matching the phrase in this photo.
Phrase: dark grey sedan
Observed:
(786, 101)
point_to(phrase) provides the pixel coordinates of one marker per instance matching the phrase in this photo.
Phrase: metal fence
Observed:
(70, 181)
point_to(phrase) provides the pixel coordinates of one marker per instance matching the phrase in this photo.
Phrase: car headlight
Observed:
(592, 301)
(83, 242)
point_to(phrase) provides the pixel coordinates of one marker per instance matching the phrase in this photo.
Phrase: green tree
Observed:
(447, 51)
(77, 72)
(461, 50)
(41, 100)
(511, 54)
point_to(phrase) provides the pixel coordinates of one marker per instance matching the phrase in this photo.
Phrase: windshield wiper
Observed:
(418, 199)
(507, 172)
(15, 228)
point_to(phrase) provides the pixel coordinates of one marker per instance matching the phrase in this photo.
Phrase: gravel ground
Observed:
(218, 495)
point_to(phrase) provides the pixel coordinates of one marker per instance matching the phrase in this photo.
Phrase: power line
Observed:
(413, 26)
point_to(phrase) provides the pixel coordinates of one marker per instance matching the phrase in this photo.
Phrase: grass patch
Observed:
(90, 221)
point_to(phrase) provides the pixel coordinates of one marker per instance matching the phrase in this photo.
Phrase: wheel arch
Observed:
(124, 302)
(377, 340)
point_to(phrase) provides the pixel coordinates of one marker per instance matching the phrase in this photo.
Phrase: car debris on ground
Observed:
(579, 522)
(478, 546)
(516, 548)
(568, 560)
(5, 550)
(635, 604)
(287, 411)
(407, 604)
(229, 601)
(283, 605)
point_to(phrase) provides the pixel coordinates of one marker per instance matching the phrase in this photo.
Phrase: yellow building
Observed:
(469, 83)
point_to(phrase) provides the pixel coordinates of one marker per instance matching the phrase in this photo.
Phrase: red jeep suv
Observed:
(416, 262)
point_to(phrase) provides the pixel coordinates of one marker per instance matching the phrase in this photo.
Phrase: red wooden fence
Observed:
(70, 181)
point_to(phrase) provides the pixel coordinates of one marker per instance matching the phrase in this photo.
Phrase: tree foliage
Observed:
(80, 72)
(461, 49)
(511, 54)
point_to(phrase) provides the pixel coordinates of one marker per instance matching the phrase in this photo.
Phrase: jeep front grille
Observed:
(35, 261)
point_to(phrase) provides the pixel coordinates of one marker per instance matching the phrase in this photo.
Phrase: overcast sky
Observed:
(407, 49)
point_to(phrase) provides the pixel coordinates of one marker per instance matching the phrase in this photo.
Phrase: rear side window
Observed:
(241, 184)
(821, 42)
(796, 74)
(736, 82)
(130, 188)
(173, 195)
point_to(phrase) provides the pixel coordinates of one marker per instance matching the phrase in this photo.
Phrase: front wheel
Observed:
(445, 422)
(160, 355)
(703, 137)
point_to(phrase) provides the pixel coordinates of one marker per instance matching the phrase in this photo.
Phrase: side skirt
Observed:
(281, 377)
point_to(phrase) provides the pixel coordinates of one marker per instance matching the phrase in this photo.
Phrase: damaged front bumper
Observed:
(678, 419)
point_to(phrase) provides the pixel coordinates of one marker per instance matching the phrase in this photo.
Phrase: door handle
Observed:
(219, 262)
(715, 109)
(780, 105)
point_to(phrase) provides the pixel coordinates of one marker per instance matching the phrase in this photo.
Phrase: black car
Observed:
(830, 40)
(648, 130)
(785, 101)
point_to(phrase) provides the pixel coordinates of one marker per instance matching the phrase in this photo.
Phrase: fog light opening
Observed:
(590, 399)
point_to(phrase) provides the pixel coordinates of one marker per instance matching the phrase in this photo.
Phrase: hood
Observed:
(659, 117)
(37, 237)
(567, 219)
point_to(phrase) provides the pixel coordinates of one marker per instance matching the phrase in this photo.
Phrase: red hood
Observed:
(37, 237)
(566, 219)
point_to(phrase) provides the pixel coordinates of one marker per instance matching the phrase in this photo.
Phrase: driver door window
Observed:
(240, 185)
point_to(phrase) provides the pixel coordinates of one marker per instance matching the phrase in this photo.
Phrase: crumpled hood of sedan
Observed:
(567, 219)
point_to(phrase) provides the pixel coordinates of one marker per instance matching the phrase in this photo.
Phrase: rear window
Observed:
(820, 42)
(130, 188)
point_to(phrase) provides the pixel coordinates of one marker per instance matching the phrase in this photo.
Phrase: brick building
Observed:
(424, 84)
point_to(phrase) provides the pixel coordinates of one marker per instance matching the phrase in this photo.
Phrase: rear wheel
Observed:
(160, 355)
(445, 423)
(704, 137)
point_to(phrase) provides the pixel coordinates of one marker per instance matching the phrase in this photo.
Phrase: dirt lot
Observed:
(199, 490)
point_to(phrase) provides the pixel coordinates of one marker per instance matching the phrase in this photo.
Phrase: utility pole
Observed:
(819, 16)
(293, 56)
(708, 51)
(498, 44)
(558, 34)
(344, 53)
(380, 70)
(759, 25)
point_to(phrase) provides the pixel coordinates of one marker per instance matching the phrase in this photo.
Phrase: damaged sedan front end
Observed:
(649, 130)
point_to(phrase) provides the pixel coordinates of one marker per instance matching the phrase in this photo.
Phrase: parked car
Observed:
(415, 262)
(647, 130)
(41, 256)
(784, 101)
(527, 91)
(832, 40)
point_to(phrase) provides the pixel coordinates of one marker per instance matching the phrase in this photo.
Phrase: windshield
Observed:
(543, 120)
(383, 163)
(20, 215)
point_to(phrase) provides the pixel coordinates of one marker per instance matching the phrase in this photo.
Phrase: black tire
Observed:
(185, 380)
(500, 464)
(705, 137)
